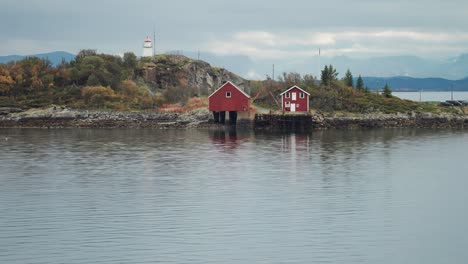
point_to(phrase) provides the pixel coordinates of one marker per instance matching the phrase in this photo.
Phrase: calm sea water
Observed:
(432, 96)
(215, 196)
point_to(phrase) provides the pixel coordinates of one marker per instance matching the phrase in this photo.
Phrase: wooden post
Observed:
(232, 117)
(222, 117)
(216, 117)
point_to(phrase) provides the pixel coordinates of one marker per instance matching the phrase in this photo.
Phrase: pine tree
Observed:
(332, 74)
(360, 84)
(329, 75)
(324, 76)
(387, 92)
(348, 79)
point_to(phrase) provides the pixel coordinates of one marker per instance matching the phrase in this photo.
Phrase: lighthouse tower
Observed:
(147, 48)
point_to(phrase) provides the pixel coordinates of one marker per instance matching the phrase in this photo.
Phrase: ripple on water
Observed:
(203, 196)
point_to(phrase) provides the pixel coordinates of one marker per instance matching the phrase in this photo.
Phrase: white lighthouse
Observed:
(147, 48)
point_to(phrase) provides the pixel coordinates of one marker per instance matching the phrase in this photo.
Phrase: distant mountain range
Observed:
(453, 68)
(412, 73)
(416, 84)
(55, 57)
(450, 72)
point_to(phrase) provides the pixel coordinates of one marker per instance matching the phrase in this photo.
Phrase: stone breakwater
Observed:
(413, 120)
(419, 121)
(62, 117)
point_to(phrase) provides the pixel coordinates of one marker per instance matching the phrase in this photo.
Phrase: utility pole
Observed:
(451, 94)
(154, 40)
(318, 67)
(273, 73)
(198, 54)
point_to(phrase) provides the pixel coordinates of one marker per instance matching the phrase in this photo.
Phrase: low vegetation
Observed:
(94, 81)
(100, 81)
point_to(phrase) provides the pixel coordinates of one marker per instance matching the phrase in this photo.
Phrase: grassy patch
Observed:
(192, 103)
(7, 102)
(346, 99)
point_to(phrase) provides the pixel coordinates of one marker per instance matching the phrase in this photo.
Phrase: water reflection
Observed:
(232, 196)
(229, 137)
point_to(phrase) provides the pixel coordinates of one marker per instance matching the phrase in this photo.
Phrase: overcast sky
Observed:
(262, 29)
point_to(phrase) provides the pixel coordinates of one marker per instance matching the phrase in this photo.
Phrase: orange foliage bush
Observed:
(97, 95)
(192, 103)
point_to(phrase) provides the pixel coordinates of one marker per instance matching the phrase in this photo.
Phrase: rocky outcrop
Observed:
(165, 71)
(63, 117)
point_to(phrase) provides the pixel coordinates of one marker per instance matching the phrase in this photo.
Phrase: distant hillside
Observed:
(416, 84)
(205, 77)
(55, 57)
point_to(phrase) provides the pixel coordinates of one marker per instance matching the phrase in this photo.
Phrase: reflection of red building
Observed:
(230, 98)
(295, 100)
(228, 139)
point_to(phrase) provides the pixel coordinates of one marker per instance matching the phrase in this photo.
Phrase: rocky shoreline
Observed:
(59, 117)
(376, 120)
(425, 120)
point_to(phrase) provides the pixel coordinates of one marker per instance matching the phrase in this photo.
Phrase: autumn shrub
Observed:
(178, 94)
(6, 82)
(192, 103)
(97, 96)
(130, 90)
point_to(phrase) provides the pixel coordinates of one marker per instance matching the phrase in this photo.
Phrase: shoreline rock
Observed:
(59, 117)
(317, 121)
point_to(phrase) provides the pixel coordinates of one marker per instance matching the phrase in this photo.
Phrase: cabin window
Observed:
(287, 95)
(301, 95)
(288, 103)
(228, 94)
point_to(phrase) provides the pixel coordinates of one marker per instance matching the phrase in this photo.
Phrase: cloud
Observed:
(279, 45)
(252, 74)
(256, 37)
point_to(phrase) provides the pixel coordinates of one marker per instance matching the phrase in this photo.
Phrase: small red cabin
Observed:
(230, 98)
(295, 99)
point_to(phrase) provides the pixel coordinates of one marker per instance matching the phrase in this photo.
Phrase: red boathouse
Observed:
(295, 99)
(229, 98)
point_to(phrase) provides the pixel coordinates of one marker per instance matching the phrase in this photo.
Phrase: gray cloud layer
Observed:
(263, 28)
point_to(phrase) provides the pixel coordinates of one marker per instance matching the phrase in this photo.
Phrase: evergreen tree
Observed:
(332, 74)
(329, 75)
(387, 92)
(324, 76)
(360, 84)
(348, 79)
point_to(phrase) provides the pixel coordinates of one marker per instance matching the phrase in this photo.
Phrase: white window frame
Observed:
(287, 95)
(302, 95)
(287, 104)
(228, 94)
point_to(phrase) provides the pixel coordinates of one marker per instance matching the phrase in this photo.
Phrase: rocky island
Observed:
(60, 117)
(170, 91)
